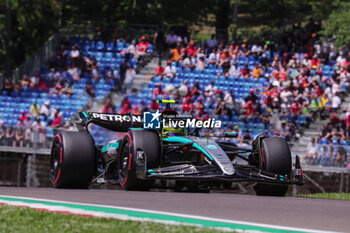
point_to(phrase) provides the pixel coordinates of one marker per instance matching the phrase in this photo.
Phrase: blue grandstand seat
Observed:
(120, 46)
(150, 48)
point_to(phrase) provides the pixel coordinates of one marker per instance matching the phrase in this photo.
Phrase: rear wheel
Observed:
(73, 159)
(275, 157)
(134, 141)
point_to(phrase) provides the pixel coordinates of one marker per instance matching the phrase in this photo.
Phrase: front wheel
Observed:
(134, 142)
(274, 157)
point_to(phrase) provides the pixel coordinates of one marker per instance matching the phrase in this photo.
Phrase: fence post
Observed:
(341, 182)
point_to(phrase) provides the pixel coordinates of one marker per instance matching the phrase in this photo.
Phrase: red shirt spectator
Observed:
(125, 109)
(296, 107)
(158, 91)
(143, 45)
(159, 70)
(191, 49)
(57, 122)
(154, 105)
(23, 116)
(188, 106)
(245, 71)
(249, 108)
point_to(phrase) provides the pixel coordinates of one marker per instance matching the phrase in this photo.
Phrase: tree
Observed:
(338, 24)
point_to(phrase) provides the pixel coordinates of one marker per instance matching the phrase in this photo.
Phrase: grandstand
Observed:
(283, 84)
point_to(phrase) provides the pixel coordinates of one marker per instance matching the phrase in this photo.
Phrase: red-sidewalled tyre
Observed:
(275, 157)
(73, 160)
(133, 141)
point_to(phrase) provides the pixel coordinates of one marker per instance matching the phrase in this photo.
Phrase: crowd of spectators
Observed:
(302, 80)
(69, 76)
(282, 85)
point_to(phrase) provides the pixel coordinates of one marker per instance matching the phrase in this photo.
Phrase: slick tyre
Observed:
(275, 157)
(133, 141)
(73, 160)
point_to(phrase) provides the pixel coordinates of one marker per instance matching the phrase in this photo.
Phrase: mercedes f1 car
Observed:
(143, 156)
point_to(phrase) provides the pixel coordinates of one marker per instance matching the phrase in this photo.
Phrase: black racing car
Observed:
(142, 156)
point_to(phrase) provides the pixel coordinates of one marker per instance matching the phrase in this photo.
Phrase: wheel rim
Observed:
(124, 163)
(55, 158)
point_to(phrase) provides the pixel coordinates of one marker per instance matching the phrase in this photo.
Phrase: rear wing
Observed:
(114, 122)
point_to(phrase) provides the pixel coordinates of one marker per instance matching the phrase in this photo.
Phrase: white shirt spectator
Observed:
(170, 71)
(45, 109)
(228, 100)
(336, 88)
(235, 71)
(130, 75)
(340, 59)
(256, 48)
(131, 49)
(180, 39)
(212, 57)
(211, 90)
(74, 53)
(336, 101)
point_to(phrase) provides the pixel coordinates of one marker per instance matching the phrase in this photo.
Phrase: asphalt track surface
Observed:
(317, 214)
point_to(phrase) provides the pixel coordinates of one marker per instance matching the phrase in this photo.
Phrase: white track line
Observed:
(174, 214)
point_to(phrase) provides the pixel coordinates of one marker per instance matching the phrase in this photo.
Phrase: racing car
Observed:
(144, 155)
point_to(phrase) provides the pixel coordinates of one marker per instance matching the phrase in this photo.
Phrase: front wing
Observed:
(211, 173)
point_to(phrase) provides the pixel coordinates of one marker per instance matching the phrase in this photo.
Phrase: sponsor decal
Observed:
(116, 117)
(210, 146)
(191, 123)
(151, 120)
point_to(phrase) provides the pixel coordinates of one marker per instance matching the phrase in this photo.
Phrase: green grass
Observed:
(335, 196)
(23, 219)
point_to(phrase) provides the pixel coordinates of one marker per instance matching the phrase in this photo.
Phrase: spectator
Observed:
(122, 72)
(191, 49)
(34, 109)
(257, 71)
(212, 43)
(2, 132)
(108, 107)
(27, 137)
(170, 70)
(158, 91)
(68, 89)
(90, 90)
(159, 41)
(57, 121)
(188, 107)
(154, 106)
(9, 135)
(38, 132)
(58, 89)
(200, 63)
(129, 79)
(137, 110)
(126, 108)
(336, 101)
(142, 48)
(131, 51)
(171, 40)
(176, 53)
(251, 97)
(19, 137)
(311, 152)
(225, 60)
(45, 109)
(234, 71)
